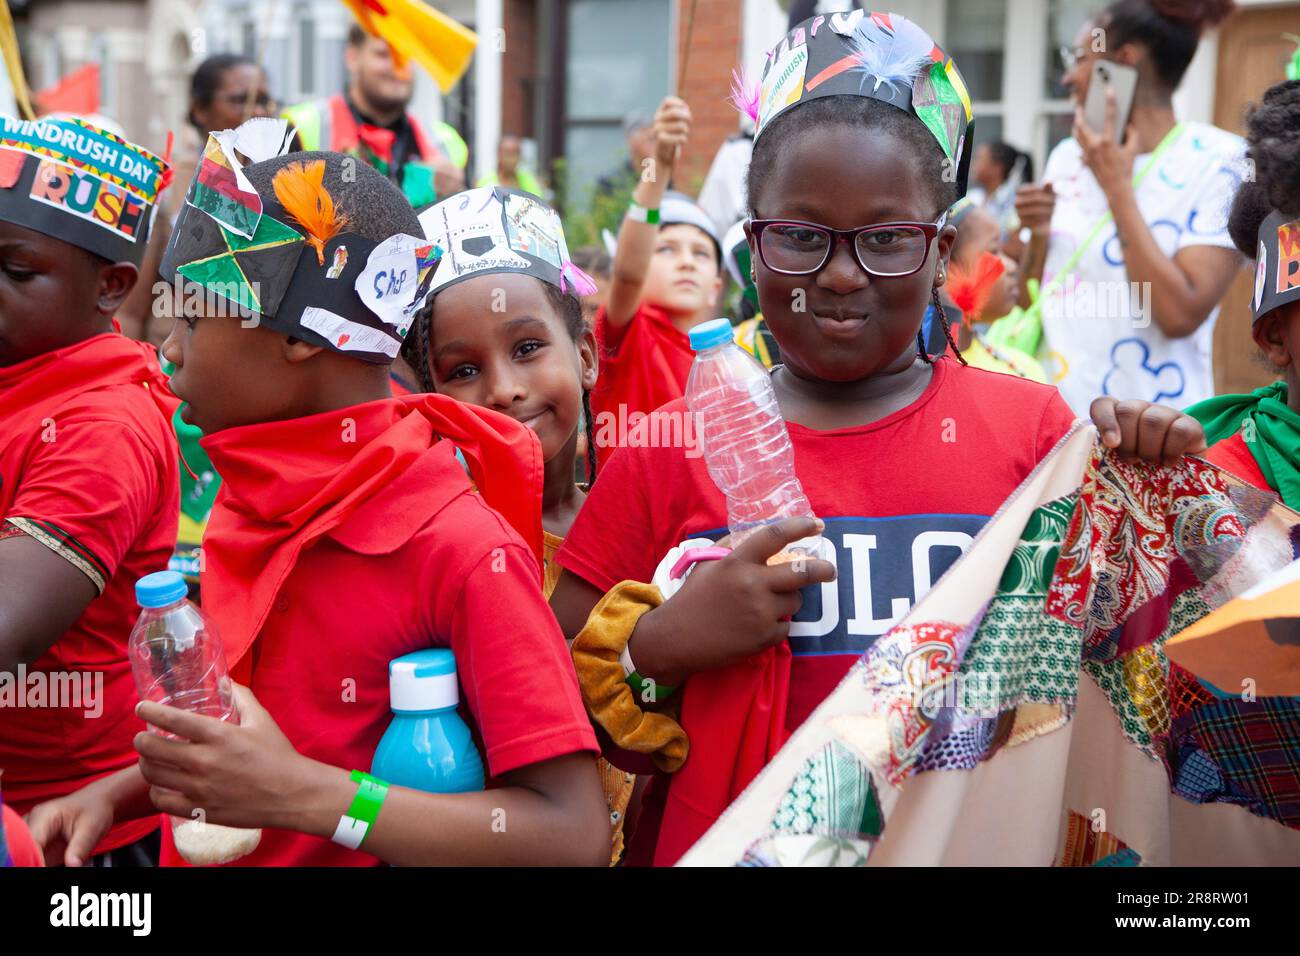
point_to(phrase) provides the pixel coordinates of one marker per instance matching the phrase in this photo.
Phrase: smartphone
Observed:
(1107, 75)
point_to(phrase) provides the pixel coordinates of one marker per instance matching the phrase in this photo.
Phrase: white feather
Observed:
(891, 57)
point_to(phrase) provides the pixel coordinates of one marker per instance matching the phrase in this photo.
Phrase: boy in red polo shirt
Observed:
(348, 533)
(89, 486)
(666, 279)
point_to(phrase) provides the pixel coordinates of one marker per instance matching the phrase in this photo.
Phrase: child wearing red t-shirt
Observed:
(904, 456)
(89, 483)
(353, 528)
(511, 337)
(666, 278)
(1257, 436)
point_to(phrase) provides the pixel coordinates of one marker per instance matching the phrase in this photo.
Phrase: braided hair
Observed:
(944, 324)
(567, 306)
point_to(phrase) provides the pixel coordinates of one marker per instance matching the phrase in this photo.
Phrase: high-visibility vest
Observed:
(329, 124)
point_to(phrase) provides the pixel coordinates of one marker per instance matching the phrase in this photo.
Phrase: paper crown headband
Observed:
(291, 257)
(1277, 271)
(79, 183)
(491, 229)
(881, 55)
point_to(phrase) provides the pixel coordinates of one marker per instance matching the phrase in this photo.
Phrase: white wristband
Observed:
(626, 660)
(350, 832)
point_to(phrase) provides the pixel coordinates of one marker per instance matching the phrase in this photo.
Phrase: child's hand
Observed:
(68, 829)
(732, 608)
(1152, 433)
(245, 775)
(672, 130)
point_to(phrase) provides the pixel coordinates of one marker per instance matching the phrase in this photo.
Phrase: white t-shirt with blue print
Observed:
(1099, 334)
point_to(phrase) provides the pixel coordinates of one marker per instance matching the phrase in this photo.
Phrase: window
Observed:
(1065, 18)
(1064, 21)
(99, 54)
(332, 78)
(978, 30)
(618, 58)
(306, 54)
(52, 67)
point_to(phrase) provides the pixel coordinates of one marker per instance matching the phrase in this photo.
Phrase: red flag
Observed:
(77, 93)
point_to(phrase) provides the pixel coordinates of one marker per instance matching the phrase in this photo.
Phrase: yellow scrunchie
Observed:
(609, 699)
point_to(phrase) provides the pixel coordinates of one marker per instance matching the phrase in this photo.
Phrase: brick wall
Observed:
(715, 52)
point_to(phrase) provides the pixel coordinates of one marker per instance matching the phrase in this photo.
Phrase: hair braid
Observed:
(921, 350)
(947, 328)
(423, 324)
(591, 437)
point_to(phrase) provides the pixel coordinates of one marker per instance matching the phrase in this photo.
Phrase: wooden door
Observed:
(1252, 57)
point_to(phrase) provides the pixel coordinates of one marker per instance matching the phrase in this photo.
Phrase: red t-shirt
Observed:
(902, 498)
(397, 576)
(1232, 454)
(91, 471)
(643, 365)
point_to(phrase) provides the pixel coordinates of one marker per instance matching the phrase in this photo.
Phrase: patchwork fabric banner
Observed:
(1025, 712)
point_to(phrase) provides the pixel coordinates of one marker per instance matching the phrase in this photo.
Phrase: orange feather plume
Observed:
(301, 190)
(970, 291)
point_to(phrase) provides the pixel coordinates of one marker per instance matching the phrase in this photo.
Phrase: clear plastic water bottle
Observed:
(177, 659)
(176, 654)
(427, 746)
(743, 436)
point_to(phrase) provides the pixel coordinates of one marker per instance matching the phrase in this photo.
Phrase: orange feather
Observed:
(301, 191)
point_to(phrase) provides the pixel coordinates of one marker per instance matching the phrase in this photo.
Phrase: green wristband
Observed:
(639, 213)
(355, 825)
(658, 693)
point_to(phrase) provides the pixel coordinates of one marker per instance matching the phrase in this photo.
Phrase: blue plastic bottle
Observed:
(427, 746)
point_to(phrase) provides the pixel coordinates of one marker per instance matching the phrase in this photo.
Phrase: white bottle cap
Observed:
(424, 680)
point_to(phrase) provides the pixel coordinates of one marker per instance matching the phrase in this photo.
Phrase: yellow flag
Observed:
(14, 63)
(416, 31)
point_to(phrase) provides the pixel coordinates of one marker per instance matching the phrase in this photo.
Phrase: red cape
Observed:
(287, 483)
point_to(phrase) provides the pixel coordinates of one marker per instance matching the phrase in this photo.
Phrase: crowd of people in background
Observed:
(980, 321)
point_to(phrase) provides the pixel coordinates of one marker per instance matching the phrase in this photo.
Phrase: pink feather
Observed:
(583, 284)
(744, 94)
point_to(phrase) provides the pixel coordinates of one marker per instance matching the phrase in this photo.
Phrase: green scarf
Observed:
(197, 494)
(1273, 436)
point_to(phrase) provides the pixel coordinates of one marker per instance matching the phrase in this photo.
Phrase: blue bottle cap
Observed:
(160, 589)
(708, 334)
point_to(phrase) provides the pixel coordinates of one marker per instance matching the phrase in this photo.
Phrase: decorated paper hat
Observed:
(291, 256)
(79, 183)
(1277, 269)
(491, 230)
(881, 55)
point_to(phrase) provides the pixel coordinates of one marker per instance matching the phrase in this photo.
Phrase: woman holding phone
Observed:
(1128, 229)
